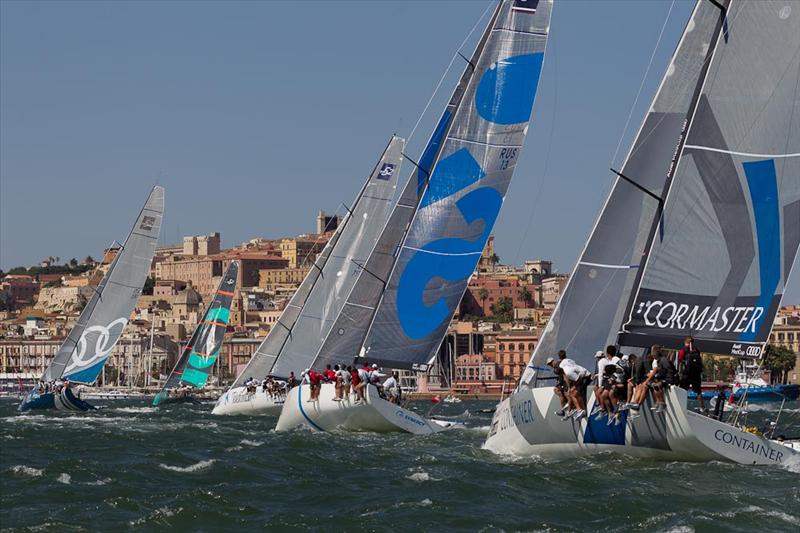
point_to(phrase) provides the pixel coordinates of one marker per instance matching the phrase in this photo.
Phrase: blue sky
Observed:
(255, 115)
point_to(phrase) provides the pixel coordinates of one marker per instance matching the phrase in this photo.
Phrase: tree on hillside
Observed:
(525, 295)
(73, 262)
(503, 310)
(89, 259)
(149, 284)
(483, 294)
(780, 361)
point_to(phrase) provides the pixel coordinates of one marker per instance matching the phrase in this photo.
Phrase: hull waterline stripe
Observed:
(743, 154)
(303, 411)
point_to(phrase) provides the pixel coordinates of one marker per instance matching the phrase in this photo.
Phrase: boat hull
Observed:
(525, 424)
(238, 401)
(63, 401)
(376, 415)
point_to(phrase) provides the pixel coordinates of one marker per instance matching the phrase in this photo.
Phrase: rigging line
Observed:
(446, 70)
(644, 79)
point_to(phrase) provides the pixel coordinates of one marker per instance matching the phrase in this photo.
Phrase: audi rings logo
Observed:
(86, 353)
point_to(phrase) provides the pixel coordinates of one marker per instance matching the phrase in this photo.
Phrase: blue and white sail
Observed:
(81, 357)
(465, 192)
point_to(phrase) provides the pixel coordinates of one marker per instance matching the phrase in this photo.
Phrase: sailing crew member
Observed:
(339, 379)
(578, 379)
(330, 375)
(363, 381)
(603, 359)
(315, 379)
(292, 381)
(347, 377)
(562, 388)
(690, 358)
(391, 388)
(661, 377)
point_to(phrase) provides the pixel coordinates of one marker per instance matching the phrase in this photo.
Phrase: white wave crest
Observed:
(26, 470)
(792, 464)
(64, 478)
(253, 443)
(202, 465)
(99, 482)
(135, 409)
(419, 477)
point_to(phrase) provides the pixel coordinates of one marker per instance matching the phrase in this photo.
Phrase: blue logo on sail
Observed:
(507, 89)
(449, 259)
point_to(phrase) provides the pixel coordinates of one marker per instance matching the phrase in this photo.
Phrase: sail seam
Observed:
(605, 265)
(743, 154)
(493, 145)
(422, 250)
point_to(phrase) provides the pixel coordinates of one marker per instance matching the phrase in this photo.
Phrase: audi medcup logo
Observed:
(386, 171)
(103, 345)
(745, 350)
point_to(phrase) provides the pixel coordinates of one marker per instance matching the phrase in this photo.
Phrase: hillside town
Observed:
(485, 351)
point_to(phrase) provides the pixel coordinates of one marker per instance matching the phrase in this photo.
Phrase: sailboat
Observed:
(199, 355)
(697, 237)
(397, 316)
(81, 357)
(293, 341)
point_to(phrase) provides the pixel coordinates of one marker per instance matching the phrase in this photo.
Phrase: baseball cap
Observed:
(550, 361)
(599, 354)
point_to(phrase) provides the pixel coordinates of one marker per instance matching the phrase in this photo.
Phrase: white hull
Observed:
(238, 401)
(376, 414)
(525, 424)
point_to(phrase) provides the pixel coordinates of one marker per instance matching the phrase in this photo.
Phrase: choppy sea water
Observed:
(132, 467)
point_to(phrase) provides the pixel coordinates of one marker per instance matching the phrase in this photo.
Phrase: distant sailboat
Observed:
(199, 355)
(81, 357)
(397, 316)
(306, 321)
(696, 238)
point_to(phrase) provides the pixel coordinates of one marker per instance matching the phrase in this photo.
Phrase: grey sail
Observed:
(464, 194)
(351, 326)
(292, 344)
(593, 304)
(84, 353)
(731, 223)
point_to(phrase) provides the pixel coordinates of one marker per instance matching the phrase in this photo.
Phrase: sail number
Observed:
(507, 155)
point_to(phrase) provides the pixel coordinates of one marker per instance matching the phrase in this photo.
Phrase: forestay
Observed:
(465, 191)
(294, 340)
(201, 352)
(593, 303)
(731, 222)
(87, 347)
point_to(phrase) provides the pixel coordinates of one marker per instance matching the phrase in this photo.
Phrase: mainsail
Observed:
(593, 303)
(463, 196)
(731, 222)
(200, 353)
(690, 200)
(84, 352)
(294, 340)
(348, 332)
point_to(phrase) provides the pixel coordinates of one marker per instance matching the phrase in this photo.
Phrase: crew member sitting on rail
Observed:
(578, 379)
(662, 376)
(391, 388)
